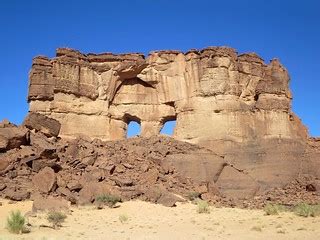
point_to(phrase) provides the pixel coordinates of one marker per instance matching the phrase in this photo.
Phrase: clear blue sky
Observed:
(287, 29)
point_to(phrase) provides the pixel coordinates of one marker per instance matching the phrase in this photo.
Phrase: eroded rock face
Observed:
(245, 142)
(40, 122)
(11, 136)
(45, 180)
(214, 94)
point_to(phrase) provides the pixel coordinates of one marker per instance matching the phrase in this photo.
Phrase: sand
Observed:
(151, 221)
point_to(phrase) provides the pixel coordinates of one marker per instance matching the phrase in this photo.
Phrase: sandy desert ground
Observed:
(150, 221)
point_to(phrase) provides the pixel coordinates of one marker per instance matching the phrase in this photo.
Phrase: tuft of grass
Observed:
(282, 231)
(123, 218)
(56, 218)
(306, 210)
(256, 228)
(315, 212)
(107, 199)
(302, 209)
(192, 196)
(16, 222)
(273, 209)
(203, 207)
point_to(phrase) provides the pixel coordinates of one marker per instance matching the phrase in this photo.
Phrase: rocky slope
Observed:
(157, 169)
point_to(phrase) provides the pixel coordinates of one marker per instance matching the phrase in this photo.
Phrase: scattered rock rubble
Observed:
(36, 164)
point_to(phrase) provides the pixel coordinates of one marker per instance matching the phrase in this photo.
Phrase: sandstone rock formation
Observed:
(236, 137)
(214, 94)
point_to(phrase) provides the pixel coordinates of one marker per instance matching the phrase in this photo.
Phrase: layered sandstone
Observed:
(214, 94)
(236, 107)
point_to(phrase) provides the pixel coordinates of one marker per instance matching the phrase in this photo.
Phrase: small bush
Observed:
(306, 210)
(107, 199)
(15, 222)
(315, 212)
(203, 207)
(193, 196)
(303, 210)
(56, 219)
(123, 218)
(273, 209)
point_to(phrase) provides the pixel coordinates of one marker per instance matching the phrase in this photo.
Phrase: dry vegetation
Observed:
(159, 222)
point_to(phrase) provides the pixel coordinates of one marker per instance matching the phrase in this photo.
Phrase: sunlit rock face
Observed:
(214, 94)
(236, 105)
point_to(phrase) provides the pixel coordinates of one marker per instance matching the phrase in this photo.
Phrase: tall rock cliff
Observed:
(213, 94)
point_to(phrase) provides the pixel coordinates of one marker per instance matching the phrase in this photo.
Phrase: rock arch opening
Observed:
(133, 129)
(168, 126)
(133, 126)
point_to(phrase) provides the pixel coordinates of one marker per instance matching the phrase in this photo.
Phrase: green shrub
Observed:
(15, 222)
(273, 209)
(203, 207)
(193, 196)
(56, 218)
(107, 199)
(315, 211)
(302, 209)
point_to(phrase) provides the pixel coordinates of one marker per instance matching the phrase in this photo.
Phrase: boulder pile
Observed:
(35, 162)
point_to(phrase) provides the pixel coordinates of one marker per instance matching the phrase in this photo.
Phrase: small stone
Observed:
(123, 182)
(120, 168)
(17, 195)
(127, 165)
(110, 168)
(144, 167)
(74, 186)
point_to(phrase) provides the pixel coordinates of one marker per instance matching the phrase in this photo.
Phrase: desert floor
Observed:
(150, 221)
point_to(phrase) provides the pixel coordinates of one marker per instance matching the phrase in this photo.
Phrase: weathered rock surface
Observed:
(40, 122)
(234, 98)
(11, 136)
(234, 183)
(156, 169)
(45, 180)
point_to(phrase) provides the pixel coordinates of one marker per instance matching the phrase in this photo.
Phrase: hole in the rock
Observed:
(133, 129)
(56, 167)
(168, 127)
(256, 97)
(29, 164)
